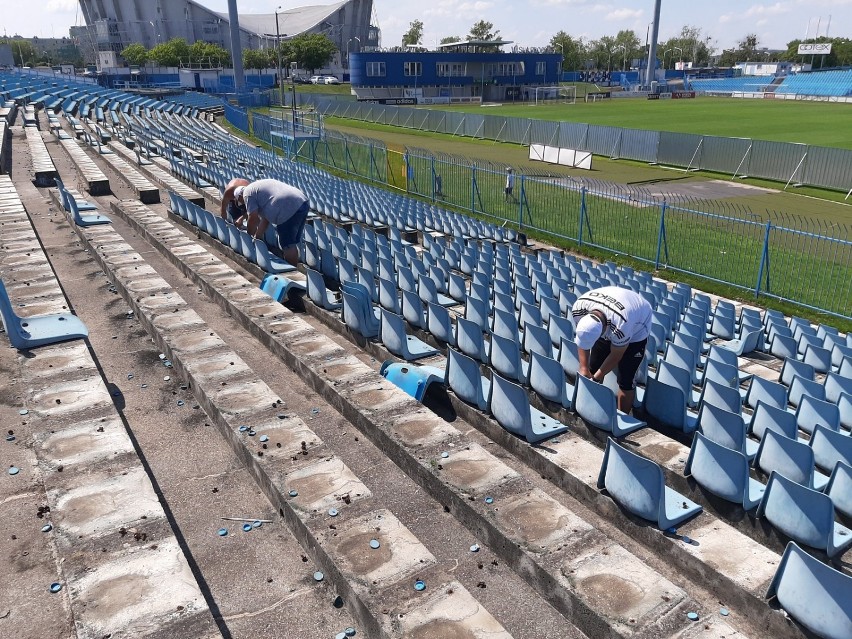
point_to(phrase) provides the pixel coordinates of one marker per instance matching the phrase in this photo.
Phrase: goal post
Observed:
(556, 94)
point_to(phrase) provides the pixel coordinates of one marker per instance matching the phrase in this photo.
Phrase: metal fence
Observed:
(786, 162)
(784, 258)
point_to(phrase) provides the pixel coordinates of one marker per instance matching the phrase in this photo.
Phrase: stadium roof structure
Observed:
(460, 44)
(291, 22)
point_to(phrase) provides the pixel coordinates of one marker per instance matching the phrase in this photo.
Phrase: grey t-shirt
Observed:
(273, 200)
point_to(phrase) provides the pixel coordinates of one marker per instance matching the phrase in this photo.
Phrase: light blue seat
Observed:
(265, 260)
(469, 339)
(748, 342)
(414, 380)
(505, 358)
(463, 377)
(681, 363)
(279, 287)
(783, 347)
(428, 292)
(723, 325)
(637, 484)
(839, 488)
(509, 403)
(844, 405)
(762, 390)
(800, 387)
(247, 247)
(721, 373)
(412, 309)
(569, 358)
(82, 205)
(814, 594)
(726, 429)
(818, 357)
(803, 514)
(389, 296)
(440, 324)
(835, 385)
(318, 293)
(722, 471)
(838, 353)
(793, 367)
(398, 342)
(597, 406)
(812, 412)
(505, 325)
(478, 311)
(789, 457)
(548, 380)
(85, 220)
(357, 317)
(30, 332)
(560, 328)
(830, 447)
(537, 340)
(806, 341)
(721, 396)
(666, 400)
(769, 417)
(456, 287)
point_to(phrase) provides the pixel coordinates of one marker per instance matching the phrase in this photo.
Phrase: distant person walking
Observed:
(510, 184)
(612, 325)
(283, 206)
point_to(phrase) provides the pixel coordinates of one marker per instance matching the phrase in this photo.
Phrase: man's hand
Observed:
(585, 372)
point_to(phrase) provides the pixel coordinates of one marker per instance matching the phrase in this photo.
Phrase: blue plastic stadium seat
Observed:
(803, 514)
(722, 471)
(839, 488)
(505, 358)
(835, 385)
(414, 380)
(726, 429)
(548, 380)
(279, 287)
(830, 447)
(789, 457)
(318, 293)
(265, 260)
(638, 485)
(812, 412)
(769, 417)
(748, 342)
(463, 377)
(397, 341)
(597, 406)
(793, 367)
(509, 403)
(440, 324)
(30, 332)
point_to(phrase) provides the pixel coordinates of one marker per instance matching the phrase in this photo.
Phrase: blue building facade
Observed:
(444, 76)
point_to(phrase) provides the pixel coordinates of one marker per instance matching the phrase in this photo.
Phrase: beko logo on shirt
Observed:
(608, 298)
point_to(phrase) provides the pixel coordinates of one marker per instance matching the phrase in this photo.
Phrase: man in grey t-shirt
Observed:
(271, 202)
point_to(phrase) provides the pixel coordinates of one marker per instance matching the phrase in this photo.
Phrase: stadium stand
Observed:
(746, 84)
(818, 83)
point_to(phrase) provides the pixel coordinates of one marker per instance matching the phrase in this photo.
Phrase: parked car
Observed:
(317, 79)
(301, 79)
(330, 79)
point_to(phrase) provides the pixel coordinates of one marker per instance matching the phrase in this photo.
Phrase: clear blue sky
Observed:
(529, 23)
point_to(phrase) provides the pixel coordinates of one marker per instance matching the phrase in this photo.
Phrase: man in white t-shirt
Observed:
(612, 325)
(510, 184)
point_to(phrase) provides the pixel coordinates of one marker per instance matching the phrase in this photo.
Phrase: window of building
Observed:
(540, 68)
(450, 69)
(413, 68)
(375, 69)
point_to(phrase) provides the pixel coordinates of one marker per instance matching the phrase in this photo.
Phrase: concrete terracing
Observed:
(272, 414)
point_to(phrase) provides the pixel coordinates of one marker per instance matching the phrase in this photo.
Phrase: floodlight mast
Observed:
(652, 49)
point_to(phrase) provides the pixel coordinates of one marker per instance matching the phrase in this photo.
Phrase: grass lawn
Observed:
(817, 123)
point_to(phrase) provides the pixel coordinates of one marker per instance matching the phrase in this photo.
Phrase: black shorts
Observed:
(626, 368)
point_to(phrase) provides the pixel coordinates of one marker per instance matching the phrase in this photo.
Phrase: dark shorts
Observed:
(290, 232)
(627, 367)
(234, 211)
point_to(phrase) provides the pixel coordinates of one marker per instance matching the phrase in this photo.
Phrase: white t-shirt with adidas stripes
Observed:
(628, 314)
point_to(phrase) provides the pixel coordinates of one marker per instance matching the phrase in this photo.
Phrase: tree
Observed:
(744, 51)
(573, 50)
(23, 52)
(447, 39)
(171, 53)
(257, 59)
(482, 30)
(840, 56)
(135, 54)
(694, 45)
(312, 51)
(414, 35)
(627, 46)
(601, 50)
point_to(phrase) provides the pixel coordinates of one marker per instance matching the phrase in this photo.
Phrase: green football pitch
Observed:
(816, 123)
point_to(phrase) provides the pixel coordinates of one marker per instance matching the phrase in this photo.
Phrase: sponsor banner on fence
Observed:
(816, 48)
(769, 96)
(397, 101)
(628, 94)
(666, 96)
(683, 95)
(433, 100)
(566, 157)
(653, 96)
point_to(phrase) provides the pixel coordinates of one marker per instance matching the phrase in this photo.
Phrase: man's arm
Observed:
(583, 358)
(227, 198)
(262, 223)
(612, 360)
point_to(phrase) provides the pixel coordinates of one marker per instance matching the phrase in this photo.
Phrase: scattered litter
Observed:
(183, 386)
(167, 363)
(318, 576)
(340, 635)
(315, 411)
(180, 402)
(349, 632)
(256, 523)
(264, 438)
(166, 378)
(332, 512)
(129, 375)
(282, 416)
(248, 519)
(724, 612)
(686, 540)
(489, 500)
(55, 587)
(243, 429)
(10, 438)
(162, 356)
(23, 411)
(247, 527)
(474, 548)
(252, 433)
(14, 470)
(374, 544)
(144, 385)
(420, 585)
(46, 528)
(445, 455)
(692, 616)
(294, 493)
(223, 532)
